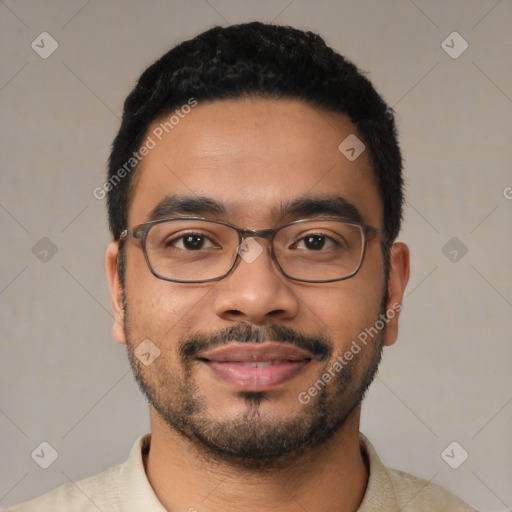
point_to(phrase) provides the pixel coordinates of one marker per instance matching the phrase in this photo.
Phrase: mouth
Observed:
(256, 367)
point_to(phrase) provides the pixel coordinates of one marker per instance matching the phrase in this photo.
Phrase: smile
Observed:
(256, 367)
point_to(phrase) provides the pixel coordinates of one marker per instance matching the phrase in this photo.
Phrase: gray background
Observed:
(64, 381)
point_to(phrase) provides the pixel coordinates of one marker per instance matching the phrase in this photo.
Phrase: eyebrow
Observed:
(202, 206)
(319, 206)
(301, 207)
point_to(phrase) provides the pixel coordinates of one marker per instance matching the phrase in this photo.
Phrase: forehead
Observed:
(253, 156)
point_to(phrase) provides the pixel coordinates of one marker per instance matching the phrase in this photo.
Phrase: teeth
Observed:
(260, 364)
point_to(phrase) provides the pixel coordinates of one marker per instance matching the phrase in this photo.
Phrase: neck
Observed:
(330, 477)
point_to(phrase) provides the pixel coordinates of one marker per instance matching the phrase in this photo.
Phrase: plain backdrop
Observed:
(65, 382)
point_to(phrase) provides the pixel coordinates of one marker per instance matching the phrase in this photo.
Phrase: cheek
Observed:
(149, 299)
(161, 309)
(344, 309)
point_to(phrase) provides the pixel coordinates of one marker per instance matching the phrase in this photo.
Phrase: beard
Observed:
(253, 440)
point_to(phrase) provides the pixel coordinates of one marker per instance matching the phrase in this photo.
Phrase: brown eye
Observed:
(314, 242)
(193, 241)
(190, 242)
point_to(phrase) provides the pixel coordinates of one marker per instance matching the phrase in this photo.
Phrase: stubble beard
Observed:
(252, 440)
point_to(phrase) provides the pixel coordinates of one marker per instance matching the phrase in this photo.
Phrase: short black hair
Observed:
(257, 60)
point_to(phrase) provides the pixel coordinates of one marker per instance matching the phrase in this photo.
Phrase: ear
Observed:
(116, 292)
(398, 278)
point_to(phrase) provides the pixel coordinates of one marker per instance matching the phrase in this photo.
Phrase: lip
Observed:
(256, 367)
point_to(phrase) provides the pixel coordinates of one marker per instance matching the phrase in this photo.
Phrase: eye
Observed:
(315, 242)
(191, 242)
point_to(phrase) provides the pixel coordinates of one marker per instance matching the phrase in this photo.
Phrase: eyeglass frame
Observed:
(140, 232)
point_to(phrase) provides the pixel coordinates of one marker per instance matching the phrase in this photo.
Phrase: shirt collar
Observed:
(136, 493)
(380, 491)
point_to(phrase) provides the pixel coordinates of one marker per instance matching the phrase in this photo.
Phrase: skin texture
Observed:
(253, 155)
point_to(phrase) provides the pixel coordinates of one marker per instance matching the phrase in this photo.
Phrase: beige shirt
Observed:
(125, 488)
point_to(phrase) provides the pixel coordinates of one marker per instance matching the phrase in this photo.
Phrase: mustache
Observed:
(318, 345)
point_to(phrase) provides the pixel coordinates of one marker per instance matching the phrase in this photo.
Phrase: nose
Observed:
(256, 291)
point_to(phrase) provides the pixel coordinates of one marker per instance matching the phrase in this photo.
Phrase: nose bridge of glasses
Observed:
(268, 234)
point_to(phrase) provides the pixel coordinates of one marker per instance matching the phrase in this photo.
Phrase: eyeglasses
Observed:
(197, 250)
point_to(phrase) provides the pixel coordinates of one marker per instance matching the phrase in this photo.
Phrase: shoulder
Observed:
(91, 494)
(417, 495)
(120, 487)
(391, 489)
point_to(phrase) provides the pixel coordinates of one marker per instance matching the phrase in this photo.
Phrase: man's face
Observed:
(254, 157)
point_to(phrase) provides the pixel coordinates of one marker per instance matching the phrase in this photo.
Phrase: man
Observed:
(254, 198)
